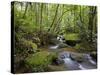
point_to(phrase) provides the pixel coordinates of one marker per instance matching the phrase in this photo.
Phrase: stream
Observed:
(87, 62)
(70, 64)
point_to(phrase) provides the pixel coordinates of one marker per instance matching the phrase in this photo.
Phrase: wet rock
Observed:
(94, 55)
(57, 61)
(62, 56)
(77, 57)
(62, 45)
(53, 41)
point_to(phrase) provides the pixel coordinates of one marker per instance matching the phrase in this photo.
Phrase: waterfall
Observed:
(54, 47)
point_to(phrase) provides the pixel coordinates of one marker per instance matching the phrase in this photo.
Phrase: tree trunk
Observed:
(54, 18)
(91, 18)
(25, 10)
(41, 17)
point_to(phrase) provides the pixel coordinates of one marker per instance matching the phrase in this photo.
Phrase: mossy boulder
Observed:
(71, 36)
(84, 47)
(39, 61)
(72, 39)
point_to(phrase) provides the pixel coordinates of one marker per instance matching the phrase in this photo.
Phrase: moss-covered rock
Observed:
(30, 46)
(72, 39)
(39, 61)
(84, 47)
(71, 36)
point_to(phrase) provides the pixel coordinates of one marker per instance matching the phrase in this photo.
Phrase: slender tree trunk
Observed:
(91, 18)
(81, 15)
(25, 10)
(36, 9)
(95, 20)
(41, 17)
(21, 4)
(74, 18)
(60, 19)
(54, 18)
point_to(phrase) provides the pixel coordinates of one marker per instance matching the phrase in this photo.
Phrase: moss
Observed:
(29, 44)
(34, 46)
(25, 46)
(40, 60)
(71, 36)
(36, 40)
(83, 47)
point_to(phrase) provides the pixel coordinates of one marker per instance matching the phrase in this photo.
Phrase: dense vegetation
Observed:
(36, 24)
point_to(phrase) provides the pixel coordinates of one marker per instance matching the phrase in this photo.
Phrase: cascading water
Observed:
(54, 47)
(90, 59)
(59, 38)
(71, 64)
(81, 67)
(87, 63)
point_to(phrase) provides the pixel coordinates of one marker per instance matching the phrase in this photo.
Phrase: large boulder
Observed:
(77, 57)
(39, 61)
(72, 39)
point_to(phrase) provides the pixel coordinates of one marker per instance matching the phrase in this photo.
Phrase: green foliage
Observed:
(39, 61)
(71, 36)
(85, 47)
(30, 45)
(36, 24)
(25, 45)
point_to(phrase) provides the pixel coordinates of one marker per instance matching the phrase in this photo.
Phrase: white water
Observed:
(81, 67)
(66, 55)
(54, 47)
(60, 38)
(68, 60)
(90, 59)
(74, 65)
